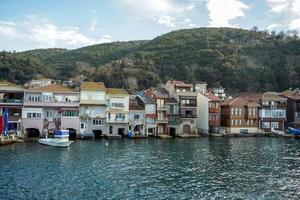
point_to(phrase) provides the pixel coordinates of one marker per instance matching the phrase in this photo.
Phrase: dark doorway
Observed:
(97, 134)
(32, 132)
(121, 131)
(72, 133)
(172, 131)
(186, 129)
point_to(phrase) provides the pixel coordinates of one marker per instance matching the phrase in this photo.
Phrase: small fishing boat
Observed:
(294, 131)
(61, 139)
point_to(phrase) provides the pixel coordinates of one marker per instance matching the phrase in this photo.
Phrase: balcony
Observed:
(214, 110)
(189, 105)
(162, 120)
(117, 120)
(50, 104)
(11, 102)
(188, 116)
(161, 107)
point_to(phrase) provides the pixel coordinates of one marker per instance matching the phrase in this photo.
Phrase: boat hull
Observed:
(55, 143)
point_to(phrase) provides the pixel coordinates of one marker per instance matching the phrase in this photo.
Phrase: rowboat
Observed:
(61, 139)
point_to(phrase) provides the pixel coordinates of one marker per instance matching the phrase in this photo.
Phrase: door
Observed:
(186, 128)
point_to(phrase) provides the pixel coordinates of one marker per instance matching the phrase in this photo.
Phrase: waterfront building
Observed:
(93, 109)
(159, 96)
(272, 112)
(293, 108)
(219, 92)
(136, 118)
(11, 101)
(174, 119)
(208, 112)
(39, 82)
(117, 115)
(50, 107)
(239, 115)
(187, 99)
(150, 112)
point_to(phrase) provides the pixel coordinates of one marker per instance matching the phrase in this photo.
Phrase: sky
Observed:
(31, 24)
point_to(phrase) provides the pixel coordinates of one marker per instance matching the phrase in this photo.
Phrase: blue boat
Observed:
(294, 131)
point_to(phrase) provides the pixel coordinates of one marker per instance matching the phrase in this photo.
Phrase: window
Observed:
(240, 111)
(265, 125)
(84, 96)
(250, 111)
(98, 122)
(82, 126)
(274, 125)
(240, 122)
(236, 122)
(70, 113)
(232, 122)
(254, 111)
(47, 97)
(34, 115)
(232, 111)
(49, 113)
(97, 97)
(34, 98)
(236, 111)
(115, 104)
(278, 113)
(58, 98)
(70, 99)
(297, 114)
(120, 117)
(136, 117)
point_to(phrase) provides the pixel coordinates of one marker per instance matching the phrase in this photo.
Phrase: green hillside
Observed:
(239, 60)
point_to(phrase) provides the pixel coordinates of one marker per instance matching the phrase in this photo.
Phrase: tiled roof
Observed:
(180, 84)
(146, 99)
(116, 91)
(295, 95)
(171, 100)
(159, 92)
(92, 86)
(272, 95)
(52, 88)
(211, 96)
(239, 101)
(8, 86)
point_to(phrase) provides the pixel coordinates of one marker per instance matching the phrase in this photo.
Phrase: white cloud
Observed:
(185, 21)
(222, 12)
(40, 33)
(192, 25)
(273, 26)
(290, 9)
(164, 12)
(166, 20)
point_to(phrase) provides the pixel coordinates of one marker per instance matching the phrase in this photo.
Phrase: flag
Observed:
(5, 116)
(1, 124)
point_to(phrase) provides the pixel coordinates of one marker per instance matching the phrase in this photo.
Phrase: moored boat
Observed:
(61, 139)
(294, 131)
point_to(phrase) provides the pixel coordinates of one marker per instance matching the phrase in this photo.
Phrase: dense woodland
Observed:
(239, 60)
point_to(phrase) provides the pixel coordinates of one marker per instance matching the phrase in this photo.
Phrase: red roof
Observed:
(180, 84)
(211, 96)
(239, 101)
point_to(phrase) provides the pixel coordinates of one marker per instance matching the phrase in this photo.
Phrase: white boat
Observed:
(61, 139)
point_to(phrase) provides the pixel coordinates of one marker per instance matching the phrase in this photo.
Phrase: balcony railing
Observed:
(161, 107)
(11, 101)
(214, 110)
(162, 120)
(189, 105)
(188, 115)
(51, 104)
(117, 120)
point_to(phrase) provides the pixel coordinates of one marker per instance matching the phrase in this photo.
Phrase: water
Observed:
(206, 168)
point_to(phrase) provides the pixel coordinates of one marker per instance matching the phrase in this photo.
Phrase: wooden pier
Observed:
(9, 139)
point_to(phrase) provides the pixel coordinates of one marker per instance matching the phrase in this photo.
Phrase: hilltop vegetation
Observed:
(239, 60)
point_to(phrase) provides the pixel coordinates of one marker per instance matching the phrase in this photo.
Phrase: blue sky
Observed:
(71, 24)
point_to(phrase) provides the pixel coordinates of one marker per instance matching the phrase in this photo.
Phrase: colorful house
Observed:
(50, 107)
(117, 115)
(159, 96)
(239, 115)
(149, 106)
(208, 112)
(136, 118)
(93, 109)
(11, 102)
(272, 113)
(187, 99)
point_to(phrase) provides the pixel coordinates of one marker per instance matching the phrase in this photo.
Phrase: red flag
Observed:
(1, 124)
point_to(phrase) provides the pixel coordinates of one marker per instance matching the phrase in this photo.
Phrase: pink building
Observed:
(50, 107)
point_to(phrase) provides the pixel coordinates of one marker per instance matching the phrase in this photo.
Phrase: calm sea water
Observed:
(206, 168)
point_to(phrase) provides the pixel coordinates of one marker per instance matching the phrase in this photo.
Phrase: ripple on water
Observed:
(236, 168)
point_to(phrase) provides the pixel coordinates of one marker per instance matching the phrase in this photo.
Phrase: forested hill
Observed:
(239, 60)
